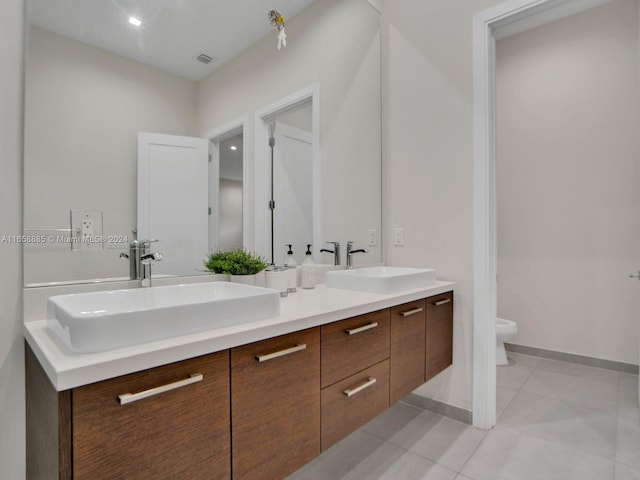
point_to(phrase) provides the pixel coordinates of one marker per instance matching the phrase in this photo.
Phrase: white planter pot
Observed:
(245, 279)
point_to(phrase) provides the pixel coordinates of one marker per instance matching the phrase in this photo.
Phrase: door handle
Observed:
(635, 275)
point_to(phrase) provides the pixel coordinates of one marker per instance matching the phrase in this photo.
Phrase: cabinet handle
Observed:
(352, 391)
(134, 397)
(281, 353)
(441, 302)
(412, 312)
(364, 328)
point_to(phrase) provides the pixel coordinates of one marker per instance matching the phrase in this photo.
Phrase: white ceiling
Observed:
(173, 32)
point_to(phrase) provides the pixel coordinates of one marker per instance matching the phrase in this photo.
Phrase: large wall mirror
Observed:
(103, 78)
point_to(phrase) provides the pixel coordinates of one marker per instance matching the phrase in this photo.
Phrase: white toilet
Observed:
(505, 330)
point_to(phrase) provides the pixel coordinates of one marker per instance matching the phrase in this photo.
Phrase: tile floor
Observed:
(556, 420)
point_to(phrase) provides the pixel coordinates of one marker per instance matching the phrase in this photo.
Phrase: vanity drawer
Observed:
(351, 345)
(275, 395)
(183, 432)
(352, 402)
(407, 361)
(439, 335)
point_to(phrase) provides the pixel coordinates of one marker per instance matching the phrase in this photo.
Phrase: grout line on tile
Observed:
(508, 403)
(475, 449)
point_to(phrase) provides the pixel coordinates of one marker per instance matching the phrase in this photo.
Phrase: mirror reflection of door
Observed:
(172, 200)
(229, 204)
(293, 183)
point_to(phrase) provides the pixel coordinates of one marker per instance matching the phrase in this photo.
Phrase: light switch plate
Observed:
(398, 236)
(372, 235)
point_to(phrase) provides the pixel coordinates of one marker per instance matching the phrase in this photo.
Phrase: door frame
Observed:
(262, 118)
(508, 18)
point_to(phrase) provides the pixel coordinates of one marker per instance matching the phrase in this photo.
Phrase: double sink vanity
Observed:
(221, 380)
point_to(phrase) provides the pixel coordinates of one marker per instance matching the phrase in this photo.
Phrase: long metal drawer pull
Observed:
(412, 312)
(350, 392)
(281, 353)
(441, 302)
(134, 397)
(364, 328)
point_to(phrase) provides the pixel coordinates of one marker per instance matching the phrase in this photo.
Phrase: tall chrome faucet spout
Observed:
(140, 260)
(351, 251)
(335, 251)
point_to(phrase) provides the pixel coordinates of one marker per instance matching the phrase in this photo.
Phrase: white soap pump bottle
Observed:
(308, 270)
(308, 256)
(292, 270)
(290, 262)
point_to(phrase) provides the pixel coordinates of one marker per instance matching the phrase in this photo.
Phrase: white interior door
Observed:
(293, 191)
(173, 196)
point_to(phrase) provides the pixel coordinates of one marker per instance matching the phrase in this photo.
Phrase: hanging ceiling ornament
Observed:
(277, 22)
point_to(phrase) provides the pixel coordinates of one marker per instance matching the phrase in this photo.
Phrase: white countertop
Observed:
(300, 310)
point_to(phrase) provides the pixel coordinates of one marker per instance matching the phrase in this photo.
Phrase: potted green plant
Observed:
(240, 265)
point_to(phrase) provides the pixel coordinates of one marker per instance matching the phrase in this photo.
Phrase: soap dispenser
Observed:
(292, 272)
(308, 257)
(290, 262)
(309, 270)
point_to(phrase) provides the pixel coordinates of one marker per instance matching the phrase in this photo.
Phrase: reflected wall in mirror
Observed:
(229, 203)
(94, 82)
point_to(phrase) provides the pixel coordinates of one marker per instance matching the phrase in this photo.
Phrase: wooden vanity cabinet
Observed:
(275, 404)
(355, 373)
(351, 345)
(439, 334)
(352, 402)
(167, 422)
(257, 411)
(407, 368)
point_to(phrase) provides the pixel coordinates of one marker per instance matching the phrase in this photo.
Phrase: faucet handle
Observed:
(334, 243)
(150, 257)
(147, 243)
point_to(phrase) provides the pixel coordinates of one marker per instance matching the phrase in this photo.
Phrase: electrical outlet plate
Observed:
(86, 230)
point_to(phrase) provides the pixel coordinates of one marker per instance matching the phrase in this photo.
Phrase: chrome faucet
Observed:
(140, 260)
(350, 252)
(335, 251)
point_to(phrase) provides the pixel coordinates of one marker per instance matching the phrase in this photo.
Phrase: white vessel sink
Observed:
(381, 279)
(93, 322)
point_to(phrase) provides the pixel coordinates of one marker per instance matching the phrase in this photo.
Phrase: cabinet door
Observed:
(351, 345)
(352, 402)
(439, 333)
(182, 432)
(275, 396)
(407, 349)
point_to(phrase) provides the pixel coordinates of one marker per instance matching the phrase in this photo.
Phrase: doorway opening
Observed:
(508, 18)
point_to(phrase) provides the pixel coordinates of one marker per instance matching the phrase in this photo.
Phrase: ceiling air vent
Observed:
(204, 58)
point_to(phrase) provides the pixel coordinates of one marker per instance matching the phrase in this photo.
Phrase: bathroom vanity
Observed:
(255, 401)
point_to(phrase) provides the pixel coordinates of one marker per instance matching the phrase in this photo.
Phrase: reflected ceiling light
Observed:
(135, 21)
(233, 147)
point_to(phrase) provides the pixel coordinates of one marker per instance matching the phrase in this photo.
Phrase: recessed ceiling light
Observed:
(135, 21)
(233, 147)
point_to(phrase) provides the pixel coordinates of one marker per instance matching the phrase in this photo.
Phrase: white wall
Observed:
(84, 109)
(334, 43)
(568, 186)
(428, 166)
(230, 214)
(12, 409)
